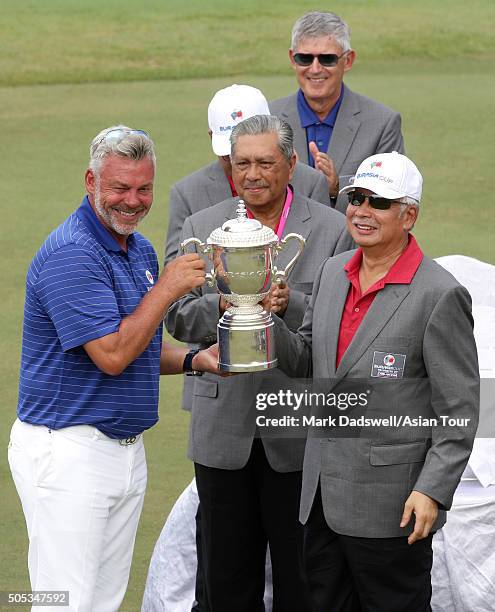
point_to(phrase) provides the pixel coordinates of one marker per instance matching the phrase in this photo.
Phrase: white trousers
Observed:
(82, 495)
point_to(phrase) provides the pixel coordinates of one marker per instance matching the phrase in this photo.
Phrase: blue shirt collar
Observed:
(87, 215)
(308, 116)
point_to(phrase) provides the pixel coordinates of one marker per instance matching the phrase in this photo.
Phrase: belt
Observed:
(130, 440)
(91, 431)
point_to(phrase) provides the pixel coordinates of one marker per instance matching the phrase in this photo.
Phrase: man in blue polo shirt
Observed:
(91, 358)
(335, 129)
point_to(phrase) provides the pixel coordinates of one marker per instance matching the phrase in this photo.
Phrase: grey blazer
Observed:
(209, 186)
(366, 480)
(223, 409)
(363, 127)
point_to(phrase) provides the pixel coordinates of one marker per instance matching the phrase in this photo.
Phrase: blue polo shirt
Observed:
(79, 287)
(317, 131)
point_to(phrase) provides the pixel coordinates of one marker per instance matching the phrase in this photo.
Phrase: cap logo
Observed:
(373, 175)
(378, 164)
(236, 115)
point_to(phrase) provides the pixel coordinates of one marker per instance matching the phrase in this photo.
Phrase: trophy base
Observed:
(246, 340)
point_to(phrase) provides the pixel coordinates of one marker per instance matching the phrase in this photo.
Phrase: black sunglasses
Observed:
(356, 198)
(325, 59)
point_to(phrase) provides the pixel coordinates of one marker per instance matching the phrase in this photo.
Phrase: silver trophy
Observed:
(243, 254)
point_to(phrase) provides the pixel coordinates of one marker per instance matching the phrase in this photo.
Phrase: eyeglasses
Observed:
(356, 198)
(116, 135)
(325, 59)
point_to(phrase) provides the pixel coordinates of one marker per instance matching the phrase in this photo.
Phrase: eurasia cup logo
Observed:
(388, 365)
(389, 360)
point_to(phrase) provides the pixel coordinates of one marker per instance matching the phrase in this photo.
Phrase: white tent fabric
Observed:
(172, 573)
(463, 575)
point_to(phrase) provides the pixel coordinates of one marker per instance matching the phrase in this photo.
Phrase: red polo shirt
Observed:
(357, 303)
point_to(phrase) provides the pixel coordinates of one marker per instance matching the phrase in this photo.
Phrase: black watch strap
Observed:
(187, 365)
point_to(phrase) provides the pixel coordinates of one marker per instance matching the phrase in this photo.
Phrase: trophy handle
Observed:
(281, 276)
(205, 249)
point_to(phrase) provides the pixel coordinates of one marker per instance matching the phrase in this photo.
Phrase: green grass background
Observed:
(69, 68)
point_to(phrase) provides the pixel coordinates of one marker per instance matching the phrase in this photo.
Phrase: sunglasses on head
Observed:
(118, 134)
(325, 59)
(356, 198)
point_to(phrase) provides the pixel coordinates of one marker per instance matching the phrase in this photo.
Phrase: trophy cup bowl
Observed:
(243, 256)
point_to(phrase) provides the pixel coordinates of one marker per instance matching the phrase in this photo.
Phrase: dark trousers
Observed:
(241, 511)
(349, 574)
(200, 601)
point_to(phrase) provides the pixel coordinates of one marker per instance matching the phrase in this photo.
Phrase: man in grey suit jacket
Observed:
(334, 128)
(249, 489)
(402, 325)
(213, 183)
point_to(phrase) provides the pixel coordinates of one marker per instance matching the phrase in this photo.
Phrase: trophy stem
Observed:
(246, 309)
(246, 340)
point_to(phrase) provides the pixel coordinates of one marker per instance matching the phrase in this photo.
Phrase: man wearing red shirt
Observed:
(387, 315)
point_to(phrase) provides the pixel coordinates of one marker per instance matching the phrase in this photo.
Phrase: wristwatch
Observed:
(187, 366)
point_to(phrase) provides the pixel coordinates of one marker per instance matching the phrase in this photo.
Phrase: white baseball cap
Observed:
(229, 107)
(389, 175)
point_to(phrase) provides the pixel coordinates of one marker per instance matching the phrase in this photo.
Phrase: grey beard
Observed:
(107, 217)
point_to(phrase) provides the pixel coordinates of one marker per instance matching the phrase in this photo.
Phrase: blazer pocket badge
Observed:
(388, 365)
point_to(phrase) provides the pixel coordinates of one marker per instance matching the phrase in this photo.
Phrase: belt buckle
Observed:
(128, 441)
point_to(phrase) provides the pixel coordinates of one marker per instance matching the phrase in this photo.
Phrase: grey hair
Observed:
(316, 24)
(265, 124)
(133, 146)
(405, 202)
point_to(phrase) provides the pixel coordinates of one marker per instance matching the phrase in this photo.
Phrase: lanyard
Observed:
(279, 230)
(233, 190)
